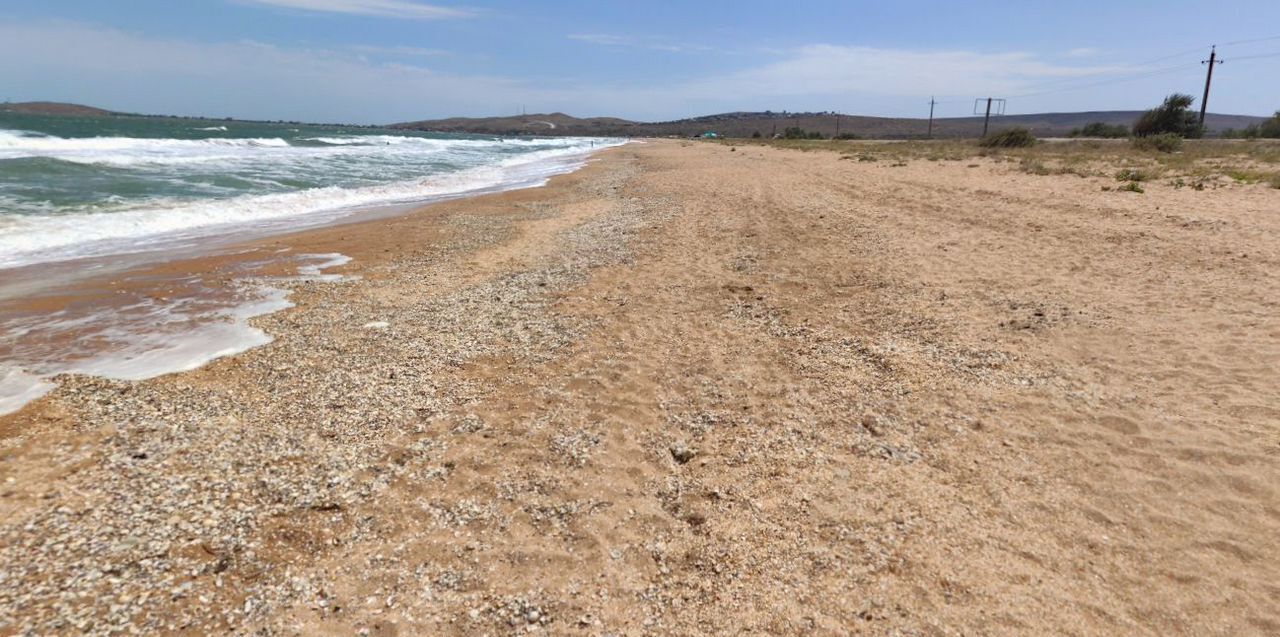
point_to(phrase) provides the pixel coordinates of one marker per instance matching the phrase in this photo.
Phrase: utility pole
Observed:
(987, 121)
(1208, 78)
(931, 103)
(837, 127)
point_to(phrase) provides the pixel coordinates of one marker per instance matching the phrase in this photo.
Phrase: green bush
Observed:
(1173, 116)
(1132, 174)
(1132, 186)
(1101, 129)
(1009, 138)
(1270, 128)
(795, 132)
(1164, 142)
(755, 135)
(1034, 167)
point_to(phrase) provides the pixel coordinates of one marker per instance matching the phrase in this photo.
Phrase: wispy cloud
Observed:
(1083, 52)
(399, 50)
(135, 72)
(835, 70)
(653, 43)
(405, 9)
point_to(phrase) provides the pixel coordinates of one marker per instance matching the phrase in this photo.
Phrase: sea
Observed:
(88, 196)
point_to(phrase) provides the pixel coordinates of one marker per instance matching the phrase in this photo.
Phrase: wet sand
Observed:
(695, 390)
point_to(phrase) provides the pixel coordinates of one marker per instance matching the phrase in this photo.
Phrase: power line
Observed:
(1138, 74)
(1113, 80)
(1129, 76)
(932, 103)
(1255, 57)
(1252, 40)
(1208, 79)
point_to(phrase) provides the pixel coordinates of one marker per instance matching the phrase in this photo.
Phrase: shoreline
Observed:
(235, 280)
(696, 389)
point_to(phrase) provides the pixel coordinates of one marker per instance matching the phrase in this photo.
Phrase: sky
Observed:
(383, 61)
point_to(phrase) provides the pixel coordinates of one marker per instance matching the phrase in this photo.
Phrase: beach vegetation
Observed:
(1164, 142)
(1267, 129)
(1101, 129)
(1172, 117)
(1270, 128)
(1009, 138)
(795, 132)
(1034, 167)
(1132, 174)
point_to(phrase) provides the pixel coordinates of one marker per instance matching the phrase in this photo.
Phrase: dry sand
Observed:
(692, 390)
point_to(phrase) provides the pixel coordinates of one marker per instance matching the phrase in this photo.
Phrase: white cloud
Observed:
(398, 50)
(127, 71)
(831, 69)
(653, 43)
(602, 38)
(1083, 52)
(378, 8)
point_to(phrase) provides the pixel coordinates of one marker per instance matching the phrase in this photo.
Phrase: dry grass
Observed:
(1245, 161)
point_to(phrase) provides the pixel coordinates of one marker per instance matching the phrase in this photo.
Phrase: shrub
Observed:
(795, 132)
(1102, 129)
(1164, 142)
(1131, 187)
(1132, 174)
(755, 135)
(1173, 116)
(1270, 128)
(1275, 182)
(1033, 167)
(1009, 138)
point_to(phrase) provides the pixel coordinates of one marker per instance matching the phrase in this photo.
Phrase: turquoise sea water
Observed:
(76, 186)
(91, 199)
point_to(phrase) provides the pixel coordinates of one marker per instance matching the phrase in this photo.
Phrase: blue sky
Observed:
(377, 61)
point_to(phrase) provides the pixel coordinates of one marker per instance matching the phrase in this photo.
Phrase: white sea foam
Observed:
(161, 223)
(18, 387)
(15, 144)
(148, 339)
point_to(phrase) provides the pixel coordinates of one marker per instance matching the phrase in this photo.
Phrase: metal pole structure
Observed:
(931, 103)
(1208, 78)
(986, 122)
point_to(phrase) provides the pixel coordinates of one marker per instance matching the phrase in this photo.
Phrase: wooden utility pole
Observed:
(837, 127)
(931, 103)
(1208, 78)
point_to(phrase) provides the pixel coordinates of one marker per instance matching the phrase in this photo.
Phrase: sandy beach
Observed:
(697, 389)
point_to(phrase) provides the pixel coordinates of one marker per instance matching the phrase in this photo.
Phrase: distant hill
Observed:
(738, 124)
(54, 108)
(536, 124)
(745, 124)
